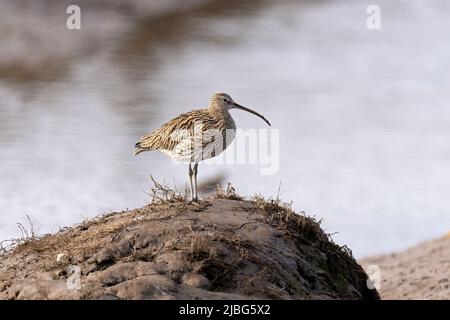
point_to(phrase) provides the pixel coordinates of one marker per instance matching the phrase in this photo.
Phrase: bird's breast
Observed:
(206, 136)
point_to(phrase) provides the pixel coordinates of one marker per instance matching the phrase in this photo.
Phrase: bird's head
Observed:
(223, 102)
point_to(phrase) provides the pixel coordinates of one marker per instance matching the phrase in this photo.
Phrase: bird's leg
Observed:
(195, 180)
(190, 182)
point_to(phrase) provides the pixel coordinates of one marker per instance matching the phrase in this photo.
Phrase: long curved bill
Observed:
(238, 106)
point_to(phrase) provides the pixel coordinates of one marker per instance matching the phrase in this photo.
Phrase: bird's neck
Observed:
(222, 114)
(218, 110)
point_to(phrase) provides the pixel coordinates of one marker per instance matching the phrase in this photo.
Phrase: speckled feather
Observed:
(177, 137)
(196, 135)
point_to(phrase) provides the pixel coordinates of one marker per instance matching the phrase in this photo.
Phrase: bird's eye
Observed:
(225, 100)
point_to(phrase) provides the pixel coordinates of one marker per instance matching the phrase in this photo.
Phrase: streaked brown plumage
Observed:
(196, 135)
(164, 138)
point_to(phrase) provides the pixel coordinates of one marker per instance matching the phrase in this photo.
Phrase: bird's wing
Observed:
(186, 126)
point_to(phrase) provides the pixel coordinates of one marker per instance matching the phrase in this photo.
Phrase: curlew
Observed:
(196, 135)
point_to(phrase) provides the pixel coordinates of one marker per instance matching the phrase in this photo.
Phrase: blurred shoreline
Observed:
(36, 44)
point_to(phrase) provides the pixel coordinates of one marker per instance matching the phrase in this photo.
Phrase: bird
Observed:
(196, 135)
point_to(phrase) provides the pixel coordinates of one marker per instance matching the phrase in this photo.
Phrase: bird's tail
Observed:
(145, 144)
(138, 148)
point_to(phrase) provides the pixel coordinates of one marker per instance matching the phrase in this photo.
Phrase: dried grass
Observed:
(228, 193)
(27, 234)
(161, 193)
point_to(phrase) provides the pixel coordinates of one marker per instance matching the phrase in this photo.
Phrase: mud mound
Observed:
(222, 248)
